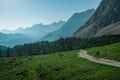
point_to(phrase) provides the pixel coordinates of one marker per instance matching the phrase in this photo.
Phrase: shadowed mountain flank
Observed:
(107, 16)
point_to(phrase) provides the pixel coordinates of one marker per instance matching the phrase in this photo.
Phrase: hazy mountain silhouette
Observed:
(72, 25)
(27, 35)
(105, 21)
(37, 31)
(14, 39)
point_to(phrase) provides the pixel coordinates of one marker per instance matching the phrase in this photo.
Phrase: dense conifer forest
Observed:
(63, 44)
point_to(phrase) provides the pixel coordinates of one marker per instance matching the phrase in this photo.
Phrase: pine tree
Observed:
(8, 52)
(1, 53)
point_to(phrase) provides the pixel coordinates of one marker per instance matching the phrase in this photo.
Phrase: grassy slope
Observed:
(109, 51)
(59, 66)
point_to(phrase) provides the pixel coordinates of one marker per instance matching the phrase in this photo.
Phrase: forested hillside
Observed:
(62, 44)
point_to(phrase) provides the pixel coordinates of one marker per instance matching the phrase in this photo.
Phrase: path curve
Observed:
(84, 54)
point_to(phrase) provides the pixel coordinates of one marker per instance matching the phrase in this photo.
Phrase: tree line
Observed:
(63, 44)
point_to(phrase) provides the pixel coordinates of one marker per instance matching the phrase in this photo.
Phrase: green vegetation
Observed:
(108, 51)
(67, 44)
(57, 66)
(3, 51)
(0, 53)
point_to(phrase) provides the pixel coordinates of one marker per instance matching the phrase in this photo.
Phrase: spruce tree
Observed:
(1, 53)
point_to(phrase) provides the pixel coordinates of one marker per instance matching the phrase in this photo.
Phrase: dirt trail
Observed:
(84, 54)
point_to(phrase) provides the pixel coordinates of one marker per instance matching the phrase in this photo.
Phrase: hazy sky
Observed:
(25, 13)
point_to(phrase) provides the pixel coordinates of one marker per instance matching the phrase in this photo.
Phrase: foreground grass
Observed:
(109, 51)
(58, 66)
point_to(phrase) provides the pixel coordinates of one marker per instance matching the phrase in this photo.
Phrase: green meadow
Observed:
(108, 51)
(61, 66)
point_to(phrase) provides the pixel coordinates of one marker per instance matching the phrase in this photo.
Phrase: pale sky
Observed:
(25, 13)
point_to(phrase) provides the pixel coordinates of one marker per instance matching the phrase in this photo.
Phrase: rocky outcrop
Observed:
(109, 30)
(107, 13)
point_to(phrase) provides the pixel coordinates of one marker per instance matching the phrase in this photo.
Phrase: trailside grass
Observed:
(57, 66)
(108, 51)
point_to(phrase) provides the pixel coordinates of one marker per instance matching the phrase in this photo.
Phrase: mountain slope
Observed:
(67, 30)
(106, 14)
(110, 29)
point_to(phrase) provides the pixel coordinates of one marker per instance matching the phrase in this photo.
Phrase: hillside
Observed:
(72, 25)
(108, 51)
(109, 30)
(57, 66)
(105, 21)
(67, 44)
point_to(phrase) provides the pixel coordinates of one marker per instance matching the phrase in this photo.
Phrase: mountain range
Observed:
(71, 26)
(27, 35)
(105, 21)
(40, 32)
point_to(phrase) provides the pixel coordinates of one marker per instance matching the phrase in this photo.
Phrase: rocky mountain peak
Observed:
(108, 12)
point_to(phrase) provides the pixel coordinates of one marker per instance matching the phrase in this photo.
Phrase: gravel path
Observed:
(84, 54)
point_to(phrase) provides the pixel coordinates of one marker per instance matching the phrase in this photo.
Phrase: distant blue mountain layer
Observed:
(71, 26)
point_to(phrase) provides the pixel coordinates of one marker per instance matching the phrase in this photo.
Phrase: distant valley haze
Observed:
(26, 13)
(29, 21)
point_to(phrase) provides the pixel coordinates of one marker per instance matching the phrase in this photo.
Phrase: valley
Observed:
(61, 65)
(60, 40)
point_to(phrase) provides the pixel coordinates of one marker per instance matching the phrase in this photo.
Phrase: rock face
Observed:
(71, 26)
(106, 15)
(110, 29)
